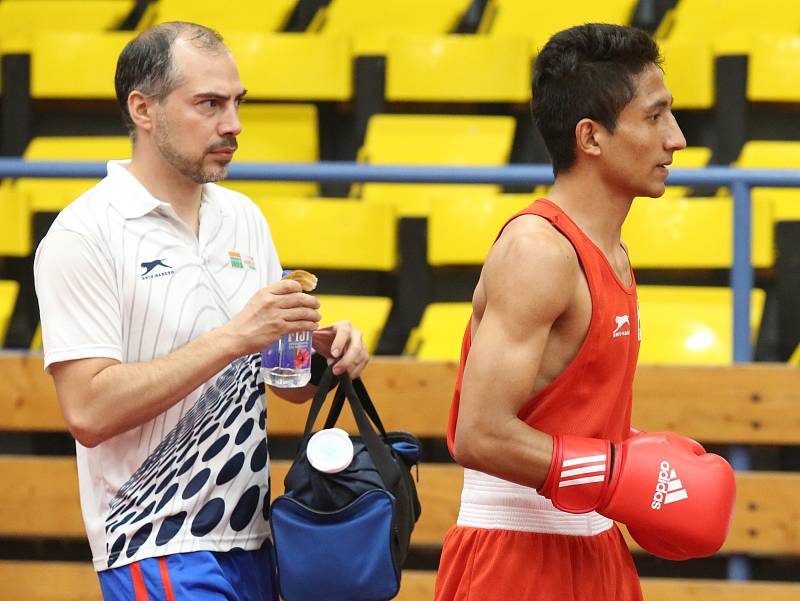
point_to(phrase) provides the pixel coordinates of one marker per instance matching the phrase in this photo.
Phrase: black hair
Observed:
(586, 71)
(146, 64)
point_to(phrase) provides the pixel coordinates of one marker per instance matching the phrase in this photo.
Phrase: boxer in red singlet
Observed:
(551, 348)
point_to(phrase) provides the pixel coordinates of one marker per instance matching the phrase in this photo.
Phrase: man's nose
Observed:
(675, 139)
(230, 125)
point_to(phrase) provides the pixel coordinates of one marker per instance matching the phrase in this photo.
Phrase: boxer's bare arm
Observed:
(528, 281)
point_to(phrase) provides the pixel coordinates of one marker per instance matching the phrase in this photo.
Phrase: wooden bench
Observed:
(753, 404)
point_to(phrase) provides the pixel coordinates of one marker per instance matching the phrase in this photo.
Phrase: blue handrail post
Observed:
(739, 566)
(741, 272)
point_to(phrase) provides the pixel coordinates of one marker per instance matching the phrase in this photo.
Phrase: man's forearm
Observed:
(125, 395)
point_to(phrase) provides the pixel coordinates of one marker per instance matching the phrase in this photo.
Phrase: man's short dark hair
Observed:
(586, 71)
(146, 64)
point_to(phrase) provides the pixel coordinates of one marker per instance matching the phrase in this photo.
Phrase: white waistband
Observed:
(489, 502)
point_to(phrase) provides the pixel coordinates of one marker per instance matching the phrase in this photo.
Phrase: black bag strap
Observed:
(325, 384)
(366, 402)
(378, 450)
(388, 469)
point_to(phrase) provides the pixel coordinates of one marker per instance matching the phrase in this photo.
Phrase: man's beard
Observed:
(190, 167)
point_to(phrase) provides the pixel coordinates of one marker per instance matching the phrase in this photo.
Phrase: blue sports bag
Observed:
(345, 536)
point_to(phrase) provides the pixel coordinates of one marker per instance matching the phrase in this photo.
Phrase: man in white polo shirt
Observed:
(152, 332)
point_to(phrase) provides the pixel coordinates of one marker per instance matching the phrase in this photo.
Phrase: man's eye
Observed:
(655, 117)
(209, 104)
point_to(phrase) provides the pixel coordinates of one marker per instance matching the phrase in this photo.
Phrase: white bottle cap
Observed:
(330, 451)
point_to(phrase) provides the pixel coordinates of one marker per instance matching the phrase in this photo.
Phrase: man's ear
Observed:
(140, 108)
(588, 134)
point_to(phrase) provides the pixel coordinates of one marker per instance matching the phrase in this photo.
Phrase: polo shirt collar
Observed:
(132, 199)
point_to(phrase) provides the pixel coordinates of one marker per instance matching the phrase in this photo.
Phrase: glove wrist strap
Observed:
(580, 473)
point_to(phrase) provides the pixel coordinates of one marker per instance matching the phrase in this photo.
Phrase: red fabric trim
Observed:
(165, 580)
(139, 588)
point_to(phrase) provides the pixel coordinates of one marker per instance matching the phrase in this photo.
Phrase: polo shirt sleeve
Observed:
(78, 300)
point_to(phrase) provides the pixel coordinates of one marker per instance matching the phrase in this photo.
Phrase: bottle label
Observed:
(292, 351)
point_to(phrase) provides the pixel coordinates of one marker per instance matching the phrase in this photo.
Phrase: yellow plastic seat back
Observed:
(691, 325)
(15, 222)
(433, 140)
(774, 69)
(693, 233)
(458, 68)
(332, 234)
(242, 15)
(439, 333)
(460, 232)
(9, 289)
(540, 20)
(53, 194)
(692, 157)
(784, 202)
(731, 27)
(281, 133)
(293, 66)
(371, 24)
(367, 313)
(76, 64)
(689, 72)
(20, 20)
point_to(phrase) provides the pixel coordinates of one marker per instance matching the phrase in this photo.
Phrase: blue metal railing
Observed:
(739, 180)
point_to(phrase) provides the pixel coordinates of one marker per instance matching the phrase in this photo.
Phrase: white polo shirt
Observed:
(119, 275)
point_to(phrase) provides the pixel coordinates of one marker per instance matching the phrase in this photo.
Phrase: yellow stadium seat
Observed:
(439, 333)
(691, 325)
(795, 358)
(371, 24)
(332, 234)
(774, 69)
(687, 233)
(433, 140)
(460, 232)
(282, 133)
(293, 66)
(688, 158)
(539, 20)
(9, 289)
(689, 72)
(243, 15)
(732, 27)
(785, 202)
(367, 313)
(15, 222)
(76, 64)
(458, 68)
(54, 194)
(20, 20)
(680, 324)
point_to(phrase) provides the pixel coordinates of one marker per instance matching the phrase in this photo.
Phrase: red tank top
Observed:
(592, 396)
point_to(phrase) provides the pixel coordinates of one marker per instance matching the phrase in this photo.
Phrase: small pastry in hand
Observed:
(308, 281)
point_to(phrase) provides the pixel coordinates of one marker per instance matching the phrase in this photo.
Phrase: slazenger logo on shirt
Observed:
(156, 269)
(623, 321)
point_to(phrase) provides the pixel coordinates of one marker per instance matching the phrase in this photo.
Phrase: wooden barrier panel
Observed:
(748, 404)
(43, 501)
(418, 586)
(69, 581)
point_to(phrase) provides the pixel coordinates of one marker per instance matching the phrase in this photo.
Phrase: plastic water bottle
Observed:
(287, 363)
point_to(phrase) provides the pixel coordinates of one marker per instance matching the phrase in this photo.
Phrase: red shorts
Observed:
(485, 564)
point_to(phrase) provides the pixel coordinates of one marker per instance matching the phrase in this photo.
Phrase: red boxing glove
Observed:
(676, 499)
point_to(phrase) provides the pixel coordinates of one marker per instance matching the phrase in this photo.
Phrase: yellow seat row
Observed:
(683, 325)
(453, 140)
(451, 68)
